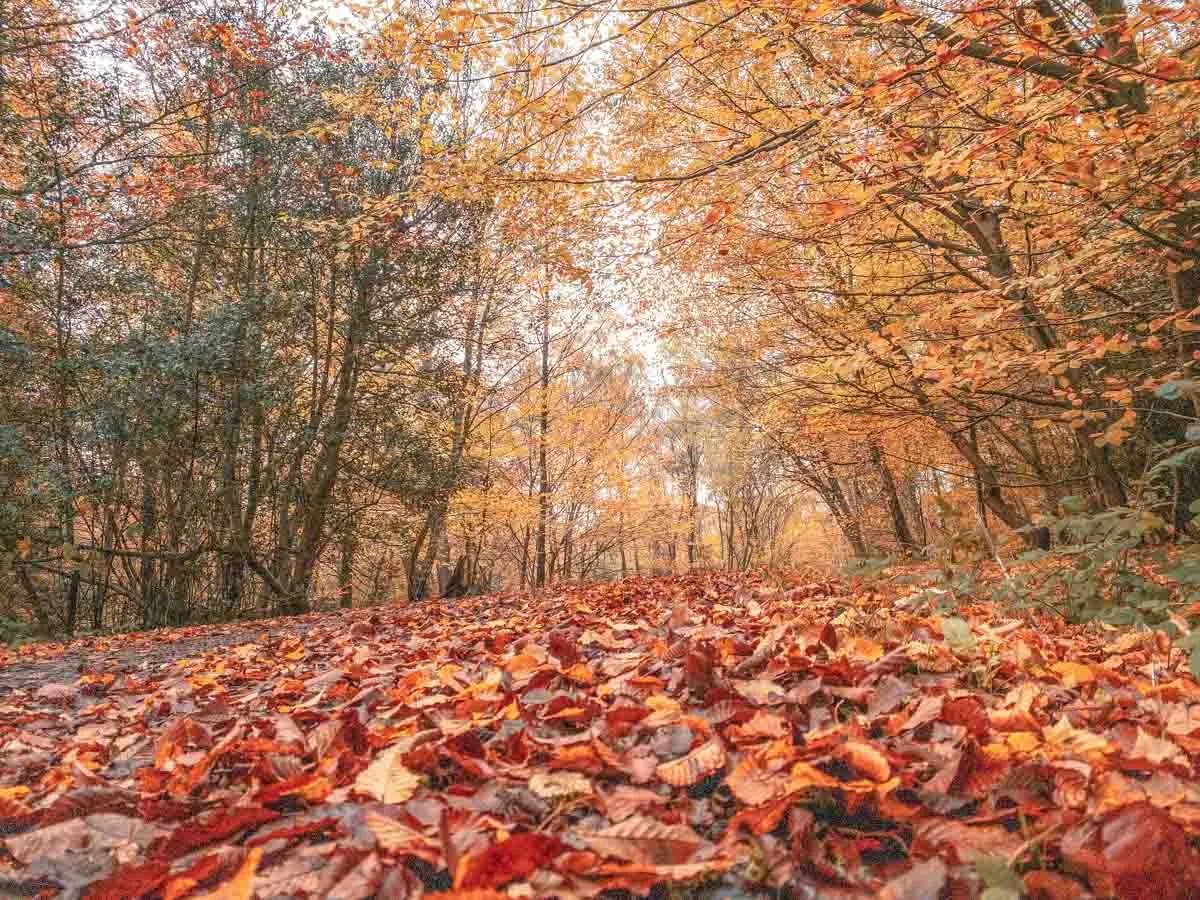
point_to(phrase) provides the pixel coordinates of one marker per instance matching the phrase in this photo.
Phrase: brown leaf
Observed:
(963, 840)
(761, 818)
(763, 724)
(555, 785)
(1042, 884)
(968, 712)
(624, 801)
(56, 691)
(700, 763)
(754, 783)
(130, 882)
(1138, 852)
(928, 710)
(218, 825)
(396, 837)
(98, 832)
(829, 636)
(645, 841)
(924, 881)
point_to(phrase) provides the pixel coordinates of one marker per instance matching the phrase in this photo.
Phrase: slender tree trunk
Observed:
(328, 464)
(621, 543)
(72, 602)
(346, 566)
(900, 527)
(543, 437)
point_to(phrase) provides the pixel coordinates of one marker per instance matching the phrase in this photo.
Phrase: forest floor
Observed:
(710, 736)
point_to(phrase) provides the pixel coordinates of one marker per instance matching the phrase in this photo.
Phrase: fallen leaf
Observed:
(866, 759)
(647, 841)
(923, 881)
(687, 770)
(509, 860)
(241, 885)
(387, 779)
(554, 785)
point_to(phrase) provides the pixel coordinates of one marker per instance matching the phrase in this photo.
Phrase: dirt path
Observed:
(31, 667)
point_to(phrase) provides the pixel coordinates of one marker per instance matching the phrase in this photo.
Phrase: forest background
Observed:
(303, 307)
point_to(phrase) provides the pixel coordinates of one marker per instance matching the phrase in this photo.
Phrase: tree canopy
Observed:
(306, 306)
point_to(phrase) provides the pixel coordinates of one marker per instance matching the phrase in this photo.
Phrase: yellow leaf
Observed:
(387, 779)
(1023, 741)
(805, 775)
(1073, 674)
(864, 648)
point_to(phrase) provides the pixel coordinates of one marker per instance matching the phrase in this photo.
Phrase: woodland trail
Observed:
(143, 653)
(717, 735)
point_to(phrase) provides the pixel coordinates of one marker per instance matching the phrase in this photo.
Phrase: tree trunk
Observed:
(346, 566)
(72, 602)
(543, 436)
(327, 467)
(900, 527)
(846, 518)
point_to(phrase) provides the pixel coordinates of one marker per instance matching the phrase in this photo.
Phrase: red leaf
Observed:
(225, 823)
(1137, 852)
(130, 882)
(829, 636)
(510, 860)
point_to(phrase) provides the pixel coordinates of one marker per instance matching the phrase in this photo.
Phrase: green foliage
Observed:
(1105, 578)
(1103, 567)
(15, 632)
(1001, 882)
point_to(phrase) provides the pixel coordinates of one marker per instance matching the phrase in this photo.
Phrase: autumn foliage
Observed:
(703, 733)
(594, 309)
(306, 307)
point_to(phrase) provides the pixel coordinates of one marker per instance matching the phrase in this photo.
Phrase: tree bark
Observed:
(900, 527)
(543, 437)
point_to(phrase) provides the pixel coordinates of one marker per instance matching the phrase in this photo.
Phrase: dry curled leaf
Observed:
(865, 759)
(754, 783)
(555, 785)
(687, 770)
(241, 885)
(1137, 852)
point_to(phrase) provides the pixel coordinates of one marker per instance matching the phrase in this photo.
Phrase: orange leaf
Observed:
(866, 759)
(761, 819)
(580, 674)
(755, 784)
(808, 776)
(241, 885)
(130, 881)
(763, 725)
(1074, 674)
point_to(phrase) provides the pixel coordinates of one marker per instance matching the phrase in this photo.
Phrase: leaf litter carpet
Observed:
(708, 736)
